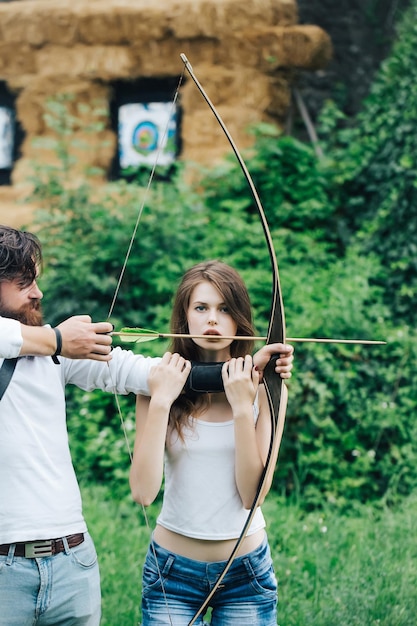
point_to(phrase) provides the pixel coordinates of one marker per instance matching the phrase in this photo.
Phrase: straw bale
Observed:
(162, 58)
(224, 85)
(12, 24)
(241, 100)
(30, 110)
(201, 134)
(112, 22)
(23, 171)
(256, 14)
(87, 150)
(18, 82)
(252, 90)
(196, 20)
(307, 47)
(15, 60)
(284, 12)
(204, 140)
(37, 23)
(200, 52)
(156, 58)
(32, 102)
(82, 89)
(98, 150)
(12, 212)
(121, 23)
(266, 50)
(242, 106)
(98, 27)
(92, 62)
(216, 19)
(89, 106)
(63, 29)
(280, 98)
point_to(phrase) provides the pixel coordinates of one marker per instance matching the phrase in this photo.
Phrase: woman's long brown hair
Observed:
(236, 298)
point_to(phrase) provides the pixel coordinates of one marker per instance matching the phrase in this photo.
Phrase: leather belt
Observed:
(42, 547)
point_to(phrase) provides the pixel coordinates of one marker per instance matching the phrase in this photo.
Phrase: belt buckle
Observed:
(35, 549)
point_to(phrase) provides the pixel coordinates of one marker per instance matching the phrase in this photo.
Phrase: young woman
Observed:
(211, 449)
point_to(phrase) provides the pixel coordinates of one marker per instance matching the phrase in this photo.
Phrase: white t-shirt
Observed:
(39, 493)
(201, 499)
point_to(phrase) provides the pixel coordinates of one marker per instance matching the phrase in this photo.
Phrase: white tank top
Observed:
(201, 499)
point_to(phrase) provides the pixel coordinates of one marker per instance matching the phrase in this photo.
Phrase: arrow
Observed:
(139, 335)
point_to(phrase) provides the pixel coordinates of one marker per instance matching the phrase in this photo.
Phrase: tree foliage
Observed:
(375, 164)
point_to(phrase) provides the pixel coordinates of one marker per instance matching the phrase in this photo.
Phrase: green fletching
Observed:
(137, 335)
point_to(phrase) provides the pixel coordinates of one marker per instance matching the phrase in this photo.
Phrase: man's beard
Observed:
(29, 314)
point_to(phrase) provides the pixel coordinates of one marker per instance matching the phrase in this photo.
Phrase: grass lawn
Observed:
(333, 570)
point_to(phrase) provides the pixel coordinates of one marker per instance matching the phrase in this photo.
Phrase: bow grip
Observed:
(205, 378)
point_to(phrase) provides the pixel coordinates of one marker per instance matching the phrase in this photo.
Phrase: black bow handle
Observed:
(207, 377)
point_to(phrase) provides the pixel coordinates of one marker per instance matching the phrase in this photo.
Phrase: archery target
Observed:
(6, 138)
(145, 137)
(147, 131)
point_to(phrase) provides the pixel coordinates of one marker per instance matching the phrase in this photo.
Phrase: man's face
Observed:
(21, 302)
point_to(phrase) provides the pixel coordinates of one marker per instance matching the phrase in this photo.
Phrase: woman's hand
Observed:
(240, 381)
(284, 358)
(167, 379)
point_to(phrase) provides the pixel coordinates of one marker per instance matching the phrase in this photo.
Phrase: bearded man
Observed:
(49, 573)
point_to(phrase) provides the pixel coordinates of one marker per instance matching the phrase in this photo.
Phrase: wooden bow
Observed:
(274, 385)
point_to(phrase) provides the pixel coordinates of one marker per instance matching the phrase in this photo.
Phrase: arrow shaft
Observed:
(244, 338)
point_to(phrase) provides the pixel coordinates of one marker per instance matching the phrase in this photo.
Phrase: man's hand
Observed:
(84, 339)
(284, 362)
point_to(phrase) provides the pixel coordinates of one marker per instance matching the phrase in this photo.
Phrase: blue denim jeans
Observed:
(247, 595)
(60, 590)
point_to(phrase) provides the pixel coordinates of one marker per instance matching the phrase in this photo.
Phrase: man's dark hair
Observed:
(20, 255)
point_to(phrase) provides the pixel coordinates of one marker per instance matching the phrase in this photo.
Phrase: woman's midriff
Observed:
(202, 549)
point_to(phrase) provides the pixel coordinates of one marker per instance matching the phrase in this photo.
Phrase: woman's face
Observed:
(208, 315)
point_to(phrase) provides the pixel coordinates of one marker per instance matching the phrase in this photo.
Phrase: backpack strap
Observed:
(6, 373)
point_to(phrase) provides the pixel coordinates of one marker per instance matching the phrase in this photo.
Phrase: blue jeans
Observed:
(247, 595)
(59, 590)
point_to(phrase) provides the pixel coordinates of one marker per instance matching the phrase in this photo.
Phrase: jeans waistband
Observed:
(260, 557)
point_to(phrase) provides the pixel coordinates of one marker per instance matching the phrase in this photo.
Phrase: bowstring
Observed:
(111, 309)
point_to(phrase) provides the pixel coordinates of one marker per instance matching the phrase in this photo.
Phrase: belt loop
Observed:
(10, 556)
(168, 564)
(66, 546)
